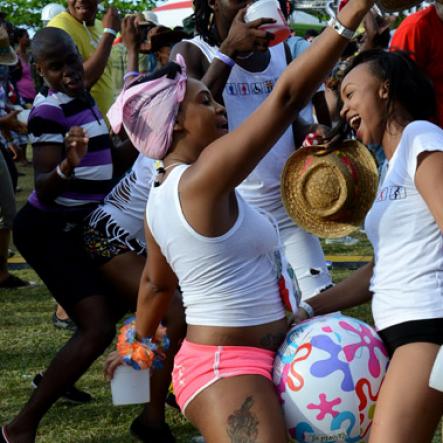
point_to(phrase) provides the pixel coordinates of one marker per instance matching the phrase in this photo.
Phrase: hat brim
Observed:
(352, 218)
(396, 5)
(9, 58)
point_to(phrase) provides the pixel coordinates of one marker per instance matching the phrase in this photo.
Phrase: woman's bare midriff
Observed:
(266, 336)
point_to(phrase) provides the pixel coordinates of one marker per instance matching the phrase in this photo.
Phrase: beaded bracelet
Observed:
(225, 59)
(145, 353)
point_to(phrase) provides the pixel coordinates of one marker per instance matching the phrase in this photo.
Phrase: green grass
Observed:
(28, 342)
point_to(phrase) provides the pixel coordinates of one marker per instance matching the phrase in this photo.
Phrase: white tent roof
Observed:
(172, 12)
(305, 18)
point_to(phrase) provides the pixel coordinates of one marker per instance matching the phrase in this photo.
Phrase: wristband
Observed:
(308, 308)
(130, 74)
(110, 31)
(62, 175)
(228, 61)
(346, 33)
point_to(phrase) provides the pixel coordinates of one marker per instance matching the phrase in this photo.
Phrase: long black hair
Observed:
(408, 85)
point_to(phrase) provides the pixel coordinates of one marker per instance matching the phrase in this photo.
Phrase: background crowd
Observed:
(83, 227)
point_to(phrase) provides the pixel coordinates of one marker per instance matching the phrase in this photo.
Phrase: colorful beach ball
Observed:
(328, 373)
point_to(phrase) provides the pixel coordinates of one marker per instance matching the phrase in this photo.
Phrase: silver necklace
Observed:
(245, 57)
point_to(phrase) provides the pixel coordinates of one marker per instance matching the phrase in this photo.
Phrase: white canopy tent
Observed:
(172, 12)
(303, 18)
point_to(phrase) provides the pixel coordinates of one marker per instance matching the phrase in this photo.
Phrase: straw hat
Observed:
(329, 192)
(7, 54)
(396, 5)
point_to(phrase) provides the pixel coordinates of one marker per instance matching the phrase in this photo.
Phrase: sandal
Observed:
(151, 434)
(63, 323)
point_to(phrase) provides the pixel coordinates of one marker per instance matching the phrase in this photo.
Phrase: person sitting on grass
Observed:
(202, 235)
(73, 166)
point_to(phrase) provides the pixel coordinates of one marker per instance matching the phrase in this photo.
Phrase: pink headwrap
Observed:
(148, 111)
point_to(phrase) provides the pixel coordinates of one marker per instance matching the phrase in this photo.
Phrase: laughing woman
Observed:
(388, 101)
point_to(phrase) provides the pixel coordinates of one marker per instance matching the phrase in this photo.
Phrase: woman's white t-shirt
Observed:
(407, 282)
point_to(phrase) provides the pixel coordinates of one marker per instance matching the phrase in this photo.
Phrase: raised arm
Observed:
(242, 38)
(157, 286)
(240, 151)
(96, 64)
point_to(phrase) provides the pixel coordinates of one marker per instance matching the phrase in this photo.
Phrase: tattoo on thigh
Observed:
(243, 424)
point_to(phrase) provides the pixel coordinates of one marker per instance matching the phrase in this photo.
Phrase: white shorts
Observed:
(304, 253)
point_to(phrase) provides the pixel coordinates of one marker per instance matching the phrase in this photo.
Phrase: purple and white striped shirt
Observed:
(51, 117)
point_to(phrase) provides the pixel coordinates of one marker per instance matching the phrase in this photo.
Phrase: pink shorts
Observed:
(198, 366)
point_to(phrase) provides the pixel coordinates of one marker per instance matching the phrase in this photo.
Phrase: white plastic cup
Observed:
(269, 9)
(130, 386)
(436, 378)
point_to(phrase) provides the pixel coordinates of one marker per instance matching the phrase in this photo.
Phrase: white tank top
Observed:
(230, 280)
(244, 92)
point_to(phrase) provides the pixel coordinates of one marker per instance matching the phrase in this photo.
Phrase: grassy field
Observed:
(28, 341)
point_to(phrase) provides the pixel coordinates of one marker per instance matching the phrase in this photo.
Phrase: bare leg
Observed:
(96, 329)
(407, 409)
(243, 409)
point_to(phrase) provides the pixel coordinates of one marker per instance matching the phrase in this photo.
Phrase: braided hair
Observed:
(204, 21)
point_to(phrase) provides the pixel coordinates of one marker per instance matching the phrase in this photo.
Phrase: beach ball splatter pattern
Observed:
(328, 373)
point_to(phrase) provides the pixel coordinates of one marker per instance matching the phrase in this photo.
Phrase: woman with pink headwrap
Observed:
(202, 236)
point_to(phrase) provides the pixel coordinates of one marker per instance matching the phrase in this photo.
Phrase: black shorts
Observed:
(429, 331)
(51, 243)
(106, 240)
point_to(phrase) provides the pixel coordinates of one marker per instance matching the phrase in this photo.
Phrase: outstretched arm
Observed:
(353, 291)
(241, 150)
(157, 286)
